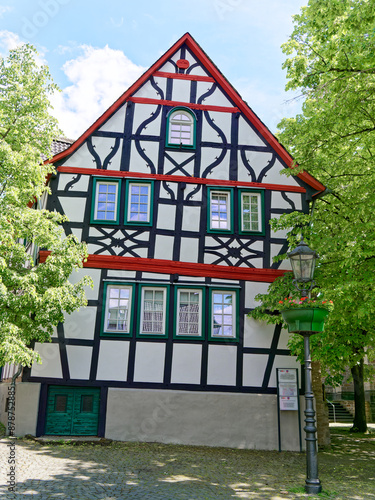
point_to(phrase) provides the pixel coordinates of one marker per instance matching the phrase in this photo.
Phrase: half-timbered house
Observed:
(172, 189)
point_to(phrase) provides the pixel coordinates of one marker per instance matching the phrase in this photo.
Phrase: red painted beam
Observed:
(181, 178)
(164, 102)
(171, 267)
(183, 76)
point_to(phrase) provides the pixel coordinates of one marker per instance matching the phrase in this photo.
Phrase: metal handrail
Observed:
(334, 409)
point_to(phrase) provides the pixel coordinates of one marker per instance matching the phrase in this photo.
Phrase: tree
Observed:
(331, 62)
(33, 297)
(269, 310)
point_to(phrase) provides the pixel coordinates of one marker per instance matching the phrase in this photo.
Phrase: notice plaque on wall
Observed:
(287, 387)
(288, 400)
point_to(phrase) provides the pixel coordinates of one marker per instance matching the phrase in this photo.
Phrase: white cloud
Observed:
(9, 41)
(4, 9)
(99, 76)
(65, 49)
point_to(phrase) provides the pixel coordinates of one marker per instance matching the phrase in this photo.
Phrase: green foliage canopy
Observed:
(331, 62)
(33, 297)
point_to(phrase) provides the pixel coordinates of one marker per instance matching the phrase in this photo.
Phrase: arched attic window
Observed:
(181, 128)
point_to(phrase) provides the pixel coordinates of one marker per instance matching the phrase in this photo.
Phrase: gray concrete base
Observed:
(200, 418)
(27, 403)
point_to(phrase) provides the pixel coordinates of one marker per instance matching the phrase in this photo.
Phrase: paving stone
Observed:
(126, 471)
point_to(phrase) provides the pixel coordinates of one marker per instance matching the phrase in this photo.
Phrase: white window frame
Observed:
(128, 318)
(233, 314)
(227, 194)
(259, 204)
(173, 121)
(105, 183)
(165, 296)
(200, 312)
(139, 184)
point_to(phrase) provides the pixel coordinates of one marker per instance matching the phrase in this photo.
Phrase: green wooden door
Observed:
(72, 411)
(86, 412)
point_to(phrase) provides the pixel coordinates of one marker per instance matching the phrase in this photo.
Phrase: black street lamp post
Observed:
(303, 259)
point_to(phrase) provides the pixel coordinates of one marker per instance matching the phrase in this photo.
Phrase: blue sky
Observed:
(95, 50)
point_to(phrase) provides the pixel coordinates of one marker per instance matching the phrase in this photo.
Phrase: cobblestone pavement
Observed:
(143, 471)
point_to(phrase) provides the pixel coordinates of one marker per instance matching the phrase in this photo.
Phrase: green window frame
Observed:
(153, 311)
(189, 312)
(139, 202)
(118, 301)
(220, 210)
(181, 128)
(224, 315)
(251, 211)
(105, 207)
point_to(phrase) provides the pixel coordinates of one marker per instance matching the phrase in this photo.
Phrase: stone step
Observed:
(341, 413)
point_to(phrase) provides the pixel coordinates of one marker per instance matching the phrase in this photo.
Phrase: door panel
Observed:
(72, 411)
(86, 412)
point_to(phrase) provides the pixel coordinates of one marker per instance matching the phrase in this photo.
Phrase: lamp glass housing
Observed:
(303, 259)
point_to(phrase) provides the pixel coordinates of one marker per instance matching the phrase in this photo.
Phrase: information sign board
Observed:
(287, 385)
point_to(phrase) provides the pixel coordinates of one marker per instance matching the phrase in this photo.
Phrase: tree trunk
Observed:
(359, 423)
(322, 420)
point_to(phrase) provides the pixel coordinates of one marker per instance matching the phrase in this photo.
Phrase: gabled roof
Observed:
(61, 144)
(199, 53)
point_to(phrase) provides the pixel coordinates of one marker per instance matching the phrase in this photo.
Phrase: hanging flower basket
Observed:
(305, 320)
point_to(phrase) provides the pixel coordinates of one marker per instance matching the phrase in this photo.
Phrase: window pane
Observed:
(106, 201)
(219, 210)
(153, 311)
(189, 312)
(87, 404)
(181, 128)
(228, 298)
(223, 314)
(139, 202)
(61, 402)
(227, 320)
(117, 309)
(250, 212)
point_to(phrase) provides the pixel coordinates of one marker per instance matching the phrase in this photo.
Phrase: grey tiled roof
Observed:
(60, 144)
